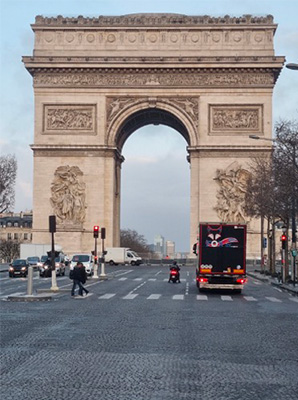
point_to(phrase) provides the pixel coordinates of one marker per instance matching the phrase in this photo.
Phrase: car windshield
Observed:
(80, 258)
(19, 262)
(58, 259)
(44, 258)
(33, 259)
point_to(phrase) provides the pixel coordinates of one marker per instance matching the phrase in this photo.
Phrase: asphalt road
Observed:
(138, 337)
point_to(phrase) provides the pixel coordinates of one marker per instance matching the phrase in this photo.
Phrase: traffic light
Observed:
(103, 233)
(95, 231)
(52, 223)
(283, 241)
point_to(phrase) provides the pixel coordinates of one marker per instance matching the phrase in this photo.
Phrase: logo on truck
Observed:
(214, 234)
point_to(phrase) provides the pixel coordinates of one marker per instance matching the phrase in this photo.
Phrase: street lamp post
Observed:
(292, 66)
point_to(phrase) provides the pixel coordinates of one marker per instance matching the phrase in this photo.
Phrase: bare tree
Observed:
(273, 188)
(8, 172)
(9, 249)
(135, 241)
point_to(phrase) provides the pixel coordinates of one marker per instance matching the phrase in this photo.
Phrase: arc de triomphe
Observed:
(97, 80)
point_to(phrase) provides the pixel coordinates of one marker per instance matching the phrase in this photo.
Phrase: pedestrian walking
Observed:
(79, 277)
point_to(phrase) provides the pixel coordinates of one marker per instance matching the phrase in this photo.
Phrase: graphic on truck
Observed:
(222, 256)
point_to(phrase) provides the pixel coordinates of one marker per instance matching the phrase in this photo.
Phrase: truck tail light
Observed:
(241, 280)
(202, 280)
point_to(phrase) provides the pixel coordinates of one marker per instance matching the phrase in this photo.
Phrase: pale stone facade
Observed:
(97, 80)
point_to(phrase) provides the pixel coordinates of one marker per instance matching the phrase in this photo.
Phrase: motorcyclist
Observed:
(176, 267)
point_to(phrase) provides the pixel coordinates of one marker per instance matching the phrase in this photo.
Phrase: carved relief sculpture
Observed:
(188, 105)
(236, 119)
(68, 195)
(197, 78)
(74, 118)
(231, 193)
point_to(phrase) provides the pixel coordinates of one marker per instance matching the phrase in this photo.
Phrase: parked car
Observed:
(19, 267)
(85, 259)
(33, 261)
(46, 269)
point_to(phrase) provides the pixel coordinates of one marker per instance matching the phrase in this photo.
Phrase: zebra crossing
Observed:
(199, 297)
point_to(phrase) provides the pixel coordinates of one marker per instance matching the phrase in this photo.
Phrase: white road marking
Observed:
(202, 297)
(130, 296)
(154, 297)
(273, 299)
(152, 279)
(226, 298)
(124, 273)
(14, 294)
(122, 279)
(178, 297)
(257, 283)
(107, 296)
(138, 279)
(250, 298)
(294, 299)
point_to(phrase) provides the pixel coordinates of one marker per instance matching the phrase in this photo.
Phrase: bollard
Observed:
(95, 271)
(30, 281)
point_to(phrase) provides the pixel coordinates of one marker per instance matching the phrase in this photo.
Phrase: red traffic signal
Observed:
(283, 241)
(95, 231)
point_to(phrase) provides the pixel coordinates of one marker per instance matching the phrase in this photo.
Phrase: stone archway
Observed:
(97, 79)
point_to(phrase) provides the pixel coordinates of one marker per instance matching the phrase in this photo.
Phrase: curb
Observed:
(52, 291)
(28, 298)
(276, 284)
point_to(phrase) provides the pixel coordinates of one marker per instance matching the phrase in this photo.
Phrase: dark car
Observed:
(18, 268)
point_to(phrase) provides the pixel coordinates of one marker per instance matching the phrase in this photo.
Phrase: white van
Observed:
(85, 259)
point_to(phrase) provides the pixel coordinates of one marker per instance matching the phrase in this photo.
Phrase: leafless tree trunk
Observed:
(8, 172)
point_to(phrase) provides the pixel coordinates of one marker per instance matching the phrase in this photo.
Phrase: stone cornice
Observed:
(33, 61)
(46, 150)
(151, 20)
(227, 151)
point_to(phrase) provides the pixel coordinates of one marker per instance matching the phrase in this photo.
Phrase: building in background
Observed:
(170, 249)
(16, 226)
(159, 245)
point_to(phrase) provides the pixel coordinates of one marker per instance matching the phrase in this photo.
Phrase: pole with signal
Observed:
(95, 235)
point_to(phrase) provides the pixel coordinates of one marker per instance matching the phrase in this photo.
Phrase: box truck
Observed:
(36, 250)
(122, 255)
(221, 251)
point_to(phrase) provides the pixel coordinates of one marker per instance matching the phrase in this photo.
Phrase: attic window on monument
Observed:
(155, 185)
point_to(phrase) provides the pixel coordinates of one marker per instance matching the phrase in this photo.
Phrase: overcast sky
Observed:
(155, 175)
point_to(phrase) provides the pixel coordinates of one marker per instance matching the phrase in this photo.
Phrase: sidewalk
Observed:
(274, 282)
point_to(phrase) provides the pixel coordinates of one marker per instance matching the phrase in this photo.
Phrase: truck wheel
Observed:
(133, 263)
(111, 262)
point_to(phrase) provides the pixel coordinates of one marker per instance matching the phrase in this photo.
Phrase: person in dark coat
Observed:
(79, 278)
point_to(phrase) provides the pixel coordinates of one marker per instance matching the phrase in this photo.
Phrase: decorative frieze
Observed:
(235, 119)
(140, 77)
(69, 119)
(195, 40)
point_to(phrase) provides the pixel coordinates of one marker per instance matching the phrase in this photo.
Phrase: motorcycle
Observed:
(174, 275)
